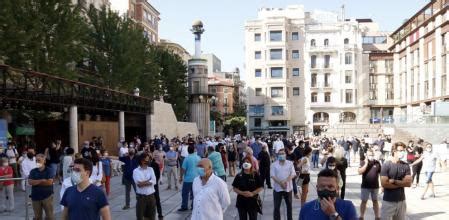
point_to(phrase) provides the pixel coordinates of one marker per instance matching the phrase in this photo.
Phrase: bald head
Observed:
(206, 164)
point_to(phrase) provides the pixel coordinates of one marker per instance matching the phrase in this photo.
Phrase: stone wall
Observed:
(163, 120)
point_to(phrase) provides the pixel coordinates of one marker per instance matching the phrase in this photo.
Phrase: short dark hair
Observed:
(398, 144)
(70, 151)
(307, 150)
(331, 160)
(328, 173)
(142, 157)
(87, 164)
(191, 149)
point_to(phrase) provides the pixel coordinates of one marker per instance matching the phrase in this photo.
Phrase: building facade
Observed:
(143, 13)
(378, 77)
(274, 66)
(420, 63)
(213, 63)
(333, 70)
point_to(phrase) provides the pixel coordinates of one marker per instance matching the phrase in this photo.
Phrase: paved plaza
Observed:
(430, 208)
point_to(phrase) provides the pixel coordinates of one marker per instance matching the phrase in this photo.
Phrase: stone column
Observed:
(73, 130)
(121, 125)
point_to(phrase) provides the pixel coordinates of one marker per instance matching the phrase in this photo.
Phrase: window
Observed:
(258, 91)
(213, 89)
(257, 122)
(443, 64)
(312, 43)
(389, 66)
(327, 97)
(276, 54)
(225, 90)
(276, 72)
(327, 61)
(380, 40)
(277, 110)
(295, 36)
(295, 72)
(389, 87)
(326, 42)
(258, 73)
(257, 55)
(256, 110)
(314, 81)
(313, 61)
(348, 58)
(275, 35)
(295, 91)
(348, 96)
(276, 92)
(295, 54)
(314, 97)
(346, 41)
(257, 37)
(348, 76)
(326, 80)
(372, 87)
(196, 87)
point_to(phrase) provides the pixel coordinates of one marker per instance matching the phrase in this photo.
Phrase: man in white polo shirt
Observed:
(282, 172)
(145, 180)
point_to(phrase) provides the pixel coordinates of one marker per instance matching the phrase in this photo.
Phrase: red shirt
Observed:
(6, 172)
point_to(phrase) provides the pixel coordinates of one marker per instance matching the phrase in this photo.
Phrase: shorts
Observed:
(366, 192)
(393, 210)
(305, 178)
(429, 177)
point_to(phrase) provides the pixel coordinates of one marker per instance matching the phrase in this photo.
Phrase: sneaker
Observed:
(168, 188)
(126, 207)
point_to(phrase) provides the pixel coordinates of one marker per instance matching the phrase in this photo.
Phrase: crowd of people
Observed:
(201, 166)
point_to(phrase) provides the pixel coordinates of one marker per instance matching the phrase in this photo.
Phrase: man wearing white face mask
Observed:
(84, 200)
(370, 170)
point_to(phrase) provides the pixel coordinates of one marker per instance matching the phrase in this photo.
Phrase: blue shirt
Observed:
(84, 205)
(257, 148)
(201, 149)
(190, 167)
(130, 165)
(39, 193)
(312, 210)
(217, 163)
(106, 166)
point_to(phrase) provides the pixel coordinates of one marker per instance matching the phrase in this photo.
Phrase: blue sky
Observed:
(224, 20)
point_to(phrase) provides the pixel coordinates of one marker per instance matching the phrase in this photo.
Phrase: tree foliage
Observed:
(56, 37)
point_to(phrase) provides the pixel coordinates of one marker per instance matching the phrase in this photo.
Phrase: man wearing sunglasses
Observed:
(84, 200)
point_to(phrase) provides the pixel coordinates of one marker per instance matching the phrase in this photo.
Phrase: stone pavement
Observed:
(430, 208)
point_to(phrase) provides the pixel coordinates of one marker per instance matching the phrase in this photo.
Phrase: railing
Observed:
(30, 87)
(26, 190)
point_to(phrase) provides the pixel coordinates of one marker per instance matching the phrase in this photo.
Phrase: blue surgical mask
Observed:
(281, 157)
(201, 171)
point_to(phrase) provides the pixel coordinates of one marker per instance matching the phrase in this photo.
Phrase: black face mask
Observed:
(327, 194)
(30, 155)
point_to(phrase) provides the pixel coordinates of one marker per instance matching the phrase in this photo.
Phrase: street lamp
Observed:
(136, 91)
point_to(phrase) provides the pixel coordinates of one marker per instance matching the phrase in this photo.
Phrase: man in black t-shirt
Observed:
(369, 169)
(394, 176)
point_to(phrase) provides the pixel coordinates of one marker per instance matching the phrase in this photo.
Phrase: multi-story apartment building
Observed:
(213, 63)
(420, 62)
(274, 66)
(378, 78)
(143, 13)
(333, 69)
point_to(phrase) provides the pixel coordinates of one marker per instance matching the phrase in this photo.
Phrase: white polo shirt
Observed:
(282, 172)
(210, 199)
(141, 175)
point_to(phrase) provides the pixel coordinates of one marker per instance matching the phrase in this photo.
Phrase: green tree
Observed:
(236, 125)
(117, 49)
(173, 81)
(45, 36)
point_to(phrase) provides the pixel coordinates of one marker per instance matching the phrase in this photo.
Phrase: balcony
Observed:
(323, 49)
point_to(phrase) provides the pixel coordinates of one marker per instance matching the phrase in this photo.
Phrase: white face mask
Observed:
(76, 178)
(246, 166)
(370, 157)
(39, 165)
(429, 149)
(331, 167)
(106, 154)
(5, 164)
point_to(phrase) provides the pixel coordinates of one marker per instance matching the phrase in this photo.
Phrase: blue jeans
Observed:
(315, 159)
(186, 191)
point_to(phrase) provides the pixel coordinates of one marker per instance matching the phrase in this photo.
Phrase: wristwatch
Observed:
(334, 216)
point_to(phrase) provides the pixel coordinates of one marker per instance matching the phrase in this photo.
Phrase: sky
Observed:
(224, 20)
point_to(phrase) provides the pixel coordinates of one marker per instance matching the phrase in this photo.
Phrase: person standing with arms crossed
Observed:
(370, 170)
